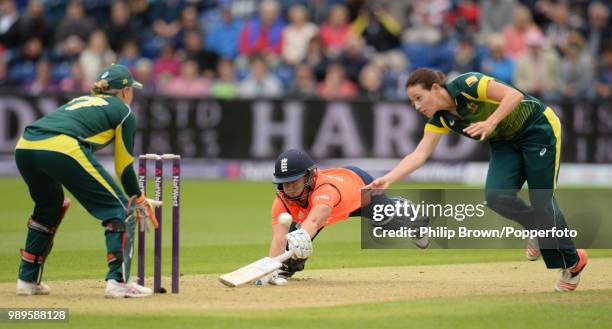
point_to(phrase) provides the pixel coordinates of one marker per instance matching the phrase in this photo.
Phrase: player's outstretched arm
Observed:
(316, 218)
(408, 165)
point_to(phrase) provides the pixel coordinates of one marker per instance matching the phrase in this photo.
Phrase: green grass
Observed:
(226, 224)
(223, 224)
(589, 309)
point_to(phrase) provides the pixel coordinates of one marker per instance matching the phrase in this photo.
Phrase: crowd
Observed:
(298, 48)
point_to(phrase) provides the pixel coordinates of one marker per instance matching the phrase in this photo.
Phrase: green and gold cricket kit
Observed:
(58, 150)
(525, 147)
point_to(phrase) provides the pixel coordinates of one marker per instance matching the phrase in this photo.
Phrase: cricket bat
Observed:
(255, 270)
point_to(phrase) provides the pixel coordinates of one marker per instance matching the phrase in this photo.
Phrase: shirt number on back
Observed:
(85, 101)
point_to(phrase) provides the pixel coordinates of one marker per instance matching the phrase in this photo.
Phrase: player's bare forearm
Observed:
(278, 243)
(316, 219)
(509, 98)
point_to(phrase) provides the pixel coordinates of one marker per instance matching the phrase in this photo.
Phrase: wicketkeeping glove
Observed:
(299, 241)
(143, 212)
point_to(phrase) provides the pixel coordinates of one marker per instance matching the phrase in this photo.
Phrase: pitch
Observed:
(226, 225)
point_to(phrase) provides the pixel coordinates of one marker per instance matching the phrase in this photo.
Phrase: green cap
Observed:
(118, 77)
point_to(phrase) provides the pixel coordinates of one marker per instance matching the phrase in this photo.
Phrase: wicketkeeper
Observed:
(58, 150)
(317, 198)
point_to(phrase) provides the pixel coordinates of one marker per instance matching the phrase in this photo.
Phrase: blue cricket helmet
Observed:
(291, 165)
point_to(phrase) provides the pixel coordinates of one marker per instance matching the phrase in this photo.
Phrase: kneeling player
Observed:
(315, 198)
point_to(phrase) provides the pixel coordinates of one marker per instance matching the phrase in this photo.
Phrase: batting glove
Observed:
(143, 212)
(299, 241)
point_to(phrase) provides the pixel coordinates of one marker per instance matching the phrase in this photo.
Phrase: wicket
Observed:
(176, 185)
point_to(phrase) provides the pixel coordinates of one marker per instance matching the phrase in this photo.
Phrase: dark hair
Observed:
(425, 77)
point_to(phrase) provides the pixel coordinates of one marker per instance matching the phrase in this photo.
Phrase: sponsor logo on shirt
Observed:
(323, 197)
(471, 80)
(472, 106)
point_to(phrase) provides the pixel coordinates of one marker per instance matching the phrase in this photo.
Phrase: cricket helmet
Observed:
(292, 165)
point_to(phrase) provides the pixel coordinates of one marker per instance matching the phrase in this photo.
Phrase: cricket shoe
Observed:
(533, 249)
(423, 242)
(570, 277)
(25, 288)
(115, 289)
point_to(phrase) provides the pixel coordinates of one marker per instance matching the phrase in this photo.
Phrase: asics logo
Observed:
(284, 165)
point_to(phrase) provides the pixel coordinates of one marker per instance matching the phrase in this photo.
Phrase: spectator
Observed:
(263, 34)
(225, 86)
(496, 63)
(207, 60)
(188, 84)
(559, 28)
(143, 72)
(514, 34)
(96, 56)
(392, 66)
(378, 28)
(167, 65)
(336, 85)
(423, 26)
(353, 59)
(577, 76)
(188, 23)
(466, 58)
(495, 15)
(465, 16)
(304, 84)
(599, 30)
(120, 28)
(23, 66)
(537, 69)
(430, 12)
(297, 34)
(4, 80)
(370, 82)
(35, 25)
(10, 20)
(76, 81)
(75, 22)
(165, 15)
(70, 50)
(43, 82)
(336, 32)
(223, 34)
(316, 58)
(604, 72)
(260, 82)
(130, 55)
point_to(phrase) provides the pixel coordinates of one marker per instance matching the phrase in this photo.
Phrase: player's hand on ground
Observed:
(482, 129)
(144, 214)
(377, 187)
(300, 242)
(274, 279)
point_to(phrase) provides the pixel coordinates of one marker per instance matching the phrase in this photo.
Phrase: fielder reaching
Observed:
(58, 150)
(525, 139)
(316, 198)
